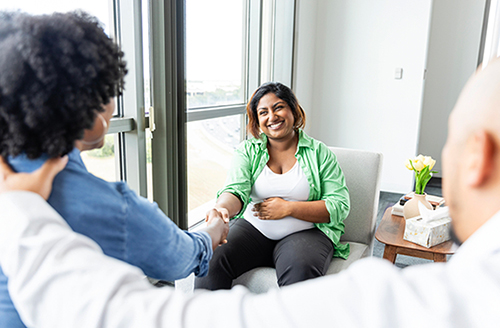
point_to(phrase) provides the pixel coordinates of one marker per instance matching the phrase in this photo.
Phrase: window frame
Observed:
(250, 80)
(169, 101)
(130, 121)
(490, 37)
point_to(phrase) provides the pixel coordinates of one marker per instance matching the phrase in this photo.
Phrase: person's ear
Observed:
(479, 159)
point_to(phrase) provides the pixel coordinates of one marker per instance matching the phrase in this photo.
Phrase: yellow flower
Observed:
(429, 161)
(422, 177)
(420, 162)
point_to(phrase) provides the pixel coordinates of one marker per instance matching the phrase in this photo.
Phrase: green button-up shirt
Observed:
(319, 163)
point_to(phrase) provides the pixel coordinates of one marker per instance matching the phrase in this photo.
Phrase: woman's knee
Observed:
(298, 271)
(302, 256)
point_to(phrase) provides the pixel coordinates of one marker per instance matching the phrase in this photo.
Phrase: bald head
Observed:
(478, 106)
(471, 156)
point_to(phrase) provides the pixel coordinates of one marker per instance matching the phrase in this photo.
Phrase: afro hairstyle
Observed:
(56, 72)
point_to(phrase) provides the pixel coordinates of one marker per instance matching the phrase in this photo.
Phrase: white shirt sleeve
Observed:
(58, 278)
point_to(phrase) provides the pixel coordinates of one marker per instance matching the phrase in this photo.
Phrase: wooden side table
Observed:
(390, 232)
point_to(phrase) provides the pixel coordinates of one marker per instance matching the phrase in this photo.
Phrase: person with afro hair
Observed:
(59, 75)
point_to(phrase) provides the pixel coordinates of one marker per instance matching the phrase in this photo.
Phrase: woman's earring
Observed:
(101, 137)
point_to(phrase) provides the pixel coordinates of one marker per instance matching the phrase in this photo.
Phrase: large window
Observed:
(216, 91)
(192, 66)
(117, 159)
(102, 162)
(491, 32)
(214, 52)
(231, 47)
(211, 143)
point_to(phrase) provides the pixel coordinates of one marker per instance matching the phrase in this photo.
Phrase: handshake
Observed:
(217, 226)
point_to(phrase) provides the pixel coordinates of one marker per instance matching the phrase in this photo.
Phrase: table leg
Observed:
(390, 253)
(439, 258)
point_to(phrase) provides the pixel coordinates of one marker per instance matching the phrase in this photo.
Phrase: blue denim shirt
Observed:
(126, 226)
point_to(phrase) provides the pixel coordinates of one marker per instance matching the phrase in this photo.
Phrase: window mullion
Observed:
(205, 114)
(168, 79)
(134, 147)
(253, 46)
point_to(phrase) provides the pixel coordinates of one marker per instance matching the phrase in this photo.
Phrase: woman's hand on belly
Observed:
(274, 208)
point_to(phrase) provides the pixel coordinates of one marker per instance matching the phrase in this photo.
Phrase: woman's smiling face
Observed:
(275, 117)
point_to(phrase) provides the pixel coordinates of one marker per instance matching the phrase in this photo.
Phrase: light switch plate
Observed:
(399, 73)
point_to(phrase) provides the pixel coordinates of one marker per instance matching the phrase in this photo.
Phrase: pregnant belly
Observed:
(277, 229)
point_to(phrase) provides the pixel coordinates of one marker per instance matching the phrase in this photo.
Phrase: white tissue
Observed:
(432, 215)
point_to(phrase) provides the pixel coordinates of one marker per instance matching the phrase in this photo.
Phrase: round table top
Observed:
(391, 230)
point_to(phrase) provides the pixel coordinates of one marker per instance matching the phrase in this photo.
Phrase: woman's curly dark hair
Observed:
(55, 73)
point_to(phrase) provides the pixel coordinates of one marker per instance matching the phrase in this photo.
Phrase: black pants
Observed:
(300, 256)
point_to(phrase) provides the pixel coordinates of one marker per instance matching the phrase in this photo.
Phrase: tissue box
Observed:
(427, 234)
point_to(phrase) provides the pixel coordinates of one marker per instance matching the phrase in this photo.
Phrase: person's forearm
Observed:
(58, 278)
(230, 202)
(312, 211)
(217, 230)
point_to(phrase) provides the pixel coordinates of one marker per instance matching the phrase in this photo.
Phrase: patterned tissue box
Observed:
(427, 234)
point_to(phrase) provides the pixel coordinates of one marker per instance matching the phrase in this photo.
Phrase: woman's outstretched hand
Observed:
(274, 208)
(221, 213)
(39, 181)
(217, 226)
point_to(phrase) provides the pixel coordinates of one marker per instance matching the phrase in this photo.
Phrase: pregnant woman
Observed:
(287, 194)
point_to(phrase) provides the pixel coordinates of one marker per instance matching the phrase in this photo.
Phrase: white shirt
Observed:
(61, 279)
(291, 186)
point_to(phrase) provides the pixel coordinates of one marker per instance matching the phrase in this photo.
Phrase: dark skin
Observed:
(277, 122)
(39, 181)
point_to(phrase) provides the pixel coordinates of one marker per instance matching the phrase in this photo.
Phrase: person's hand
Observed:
(274, 208)
(39, 181)
(217, 213)
(217, 220)
(218, 229)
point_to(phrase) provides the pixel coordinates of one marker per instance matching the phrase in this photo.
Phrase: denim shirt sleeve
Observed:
(156, 245)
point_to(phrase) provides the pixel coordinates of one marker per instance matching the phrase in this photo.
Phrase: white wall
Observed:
(345, 58)
(455, 34)
(304, 50)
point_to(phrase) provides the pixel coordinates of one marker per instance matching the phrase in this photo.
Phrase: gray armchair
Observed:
(362, 171)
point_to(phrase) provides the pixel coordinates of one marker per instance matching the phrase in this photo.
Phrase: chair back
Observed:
(362, 170)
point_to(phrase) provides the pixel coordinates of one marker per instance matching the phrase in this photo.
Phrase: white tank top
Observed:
(292, 186)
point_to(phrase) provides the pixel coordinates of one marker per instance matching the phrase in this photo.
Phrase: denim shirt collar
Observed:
(22, 163)
(75, 156)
